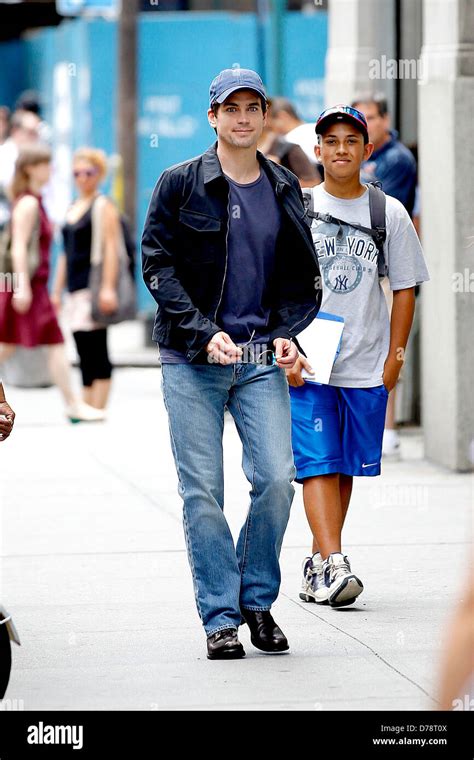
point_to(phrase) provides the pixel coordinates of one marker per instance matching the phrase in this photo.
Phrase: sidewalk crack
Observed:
(363, 644)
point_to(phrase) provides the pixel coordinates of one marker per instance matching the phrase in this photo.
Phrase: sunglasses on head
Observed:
(343, 109)
(85, 172)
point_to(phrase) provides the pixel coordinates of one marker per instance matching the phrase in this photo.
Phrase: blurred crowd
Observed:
(86, 288)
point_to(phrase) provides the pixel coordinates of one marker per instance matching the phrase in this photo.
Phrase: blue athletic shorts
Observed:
(337, 429)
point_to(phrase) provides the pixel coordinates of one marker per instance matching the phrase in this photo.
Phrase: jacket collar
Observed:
(212, 169)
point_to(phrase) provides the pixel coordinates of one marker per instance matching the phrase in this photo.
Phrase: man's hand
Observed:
(293, 375)
(222, 349)
(391, 371)
(286, 352)
(7, 418)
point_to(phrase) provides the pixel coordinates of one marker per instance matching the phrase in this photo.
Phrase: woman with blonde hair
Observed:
(27, 316)
(92, 216)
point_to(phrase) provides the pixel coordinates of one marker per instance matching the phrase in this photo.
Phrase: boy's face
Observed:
(341, 150)
(239, 120)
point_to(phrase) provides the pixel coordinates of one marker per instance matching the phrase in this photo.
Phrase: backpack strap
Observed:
(377, 204)
(308, 201)
(378, 230)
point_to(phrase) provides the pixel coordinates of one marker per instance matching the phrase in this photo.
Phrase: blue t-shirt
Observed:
(254, 224)
(395, 167)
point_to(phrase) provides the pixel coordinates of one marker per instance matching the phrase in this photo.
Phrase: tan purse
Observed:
(125, 285)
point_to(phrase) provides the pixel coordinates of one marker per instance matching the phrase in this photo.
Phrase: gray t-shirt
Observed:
(351, 286)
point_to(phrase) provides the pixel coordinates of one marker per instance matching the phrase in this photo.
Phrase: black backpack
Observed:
(378, 230)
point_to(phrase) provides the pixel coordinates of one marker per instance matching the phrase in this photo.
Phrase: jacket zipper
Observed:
(226, 255)
(313, 307)
(301, 320)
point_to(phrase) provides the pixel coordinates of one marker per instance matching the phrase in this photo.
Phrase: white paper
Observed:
(320, 341)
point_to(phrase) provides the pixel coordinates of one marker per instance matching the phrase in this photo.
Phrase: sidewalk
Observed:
(95, 574)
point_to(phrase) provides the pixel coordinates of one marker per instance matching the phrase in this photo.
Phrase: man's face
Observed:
(341, 150)
(377, 125)
(239, 120)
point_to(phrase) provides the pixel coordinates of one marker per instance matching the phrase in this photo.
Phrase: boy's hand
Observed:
(293, 375)
(391, 372)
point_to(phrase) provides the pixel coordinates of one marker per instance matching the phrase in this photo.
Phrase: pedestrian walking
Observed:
(337, 428)
(90, 215)
(27, 316)
(391, 162)
(229, 259)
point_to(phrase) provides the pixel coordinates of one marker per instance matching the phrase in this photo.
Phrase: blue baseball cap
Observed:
(230, 80)
(342, 112)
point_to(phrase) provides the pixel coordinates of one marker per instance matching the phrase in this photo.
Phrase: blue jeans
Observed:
(226, 577)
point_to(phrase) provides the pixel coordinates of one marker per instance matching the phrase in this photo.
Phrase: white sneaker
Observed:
(82, 412)
(344, 586)
(313, 587)
(391, 444)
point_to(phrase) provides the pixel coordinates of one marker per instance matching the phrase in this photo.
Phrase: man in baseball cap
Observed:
(231, 264)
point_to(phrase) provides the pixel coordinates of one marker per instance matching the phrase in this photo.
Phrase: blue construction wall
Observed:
(12, 73)
(305, 45)
(74, 67)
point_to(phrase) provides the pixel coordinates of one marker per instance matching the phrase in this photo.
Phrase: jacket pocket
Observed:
(198, 236)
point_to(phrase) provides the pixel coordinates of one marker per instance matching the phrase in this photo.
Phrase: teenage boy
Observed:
(229, 259)
(337, 428)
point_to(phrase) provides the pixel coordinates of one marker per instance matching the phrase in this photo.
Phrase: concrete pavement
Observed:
(94, 571)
